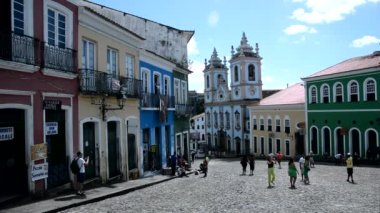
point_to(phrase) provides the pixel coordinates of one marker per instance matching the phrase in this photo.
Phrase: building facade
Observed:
(198, 133)
(278, 123)
(110, 92)
(226, 111)
(38, 95)
(342, 108)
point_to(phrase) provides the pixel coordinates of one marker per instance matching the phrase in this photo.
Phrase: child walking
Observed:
(292, 172)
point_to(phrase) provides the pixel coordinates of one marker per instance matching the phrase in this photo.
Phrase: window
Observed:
(176, 91)
(197, 126)
(370, 90)
(325, 94)
(112, 65)
(166, 85)
(237, 120)
(262, 146)
(254, 123)
(157, 83)
(203, 137)
(278, 145)
(215, 120)
(270, 145)
(313, 95)
(278, 125)
(207, 81)
(184, 92)
(18, 16)
(203, 126)
(88, 55)
(248, 125)
(56, 28)
(228, 120)
(354, 96)
(236, 74)
(251, 72)
(255, 144)
(129, 66)
(145, 80)
(208, 118)
(221, 117)
(287, 126)
(270, 124)
(338, 93)
(261, 124)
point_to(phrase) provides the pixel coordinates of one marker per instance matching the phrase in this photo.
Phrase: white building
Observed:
(198, 132)
(227, 115)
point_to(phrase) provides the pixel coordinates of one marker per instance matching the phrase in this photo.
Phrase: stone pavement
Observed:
(92, 195)
(226, 190)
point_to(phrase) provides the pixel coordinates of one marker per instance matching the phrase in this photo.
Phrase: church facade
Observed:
(226, 104)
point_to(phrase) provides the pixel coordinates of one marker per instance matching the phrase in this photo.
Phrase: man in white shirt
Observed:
(301, 162)
(81, 174)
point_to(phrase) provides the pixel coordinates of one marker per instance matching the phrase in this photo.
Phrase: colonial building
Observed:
(226, 105)
(166, 46)
(278, 122)
(109, 98)
(198, 132)
(38, 95)
(342, 108)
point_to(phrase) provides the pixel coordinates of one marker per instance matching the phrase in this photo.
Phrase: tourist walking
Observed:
(311, 155)
(205, 166)
(306, 169)
(301, 162)
(82, 171)
(244, 162)
(292, 172)
(350, 168)
(271, 174)
(251, 162)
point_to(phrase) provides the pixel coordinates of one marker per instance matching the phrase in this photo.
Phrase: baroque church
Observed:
(226, 105)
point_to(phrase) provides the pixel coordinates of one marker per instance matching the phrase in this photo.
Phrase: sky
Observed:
(296, 38)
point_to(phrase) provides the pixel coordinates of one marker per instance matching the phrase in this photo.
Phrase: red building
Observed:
(38, 95)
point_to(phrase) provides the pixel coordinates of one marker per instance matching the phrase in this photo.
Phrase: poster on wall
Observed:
(39, 171)
(51, 128)
(6, 133)
(39, 151)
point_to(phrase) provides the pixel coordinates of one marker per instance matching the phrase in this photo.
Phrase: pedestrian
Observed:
(251, 164)
(279, 159)
(350, 168)
(306, 169)
(244, 162)
(292, 172)
(81, 174)
(271, 174)
(192, 156)
(312, 165)
(205, 166)
(174, 163)
(301, 162)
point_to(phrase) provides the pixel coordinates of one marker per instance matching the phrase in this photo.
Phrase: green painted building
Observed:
(343, 108)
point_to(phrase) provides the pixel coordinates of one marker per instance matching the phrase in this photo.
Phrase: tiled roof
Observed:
(294, 94)
(357, 63)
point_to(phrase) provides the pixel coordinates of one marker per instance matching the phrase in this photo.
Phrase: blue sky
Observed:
(296, 37)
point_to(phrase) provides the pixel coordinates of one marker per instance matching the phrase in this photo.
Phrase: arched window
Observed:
(207, 81)
(313, 95)
(370, 90)
(215, 119)
(270, 124)
(236, 74)
(353, 92)
(325, 94)
(338, 98)
(314, 140)
(251, 72)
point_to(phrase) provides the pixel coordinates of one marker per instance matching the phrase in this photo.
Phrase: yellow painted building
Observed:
(277, 123)
(108, 60)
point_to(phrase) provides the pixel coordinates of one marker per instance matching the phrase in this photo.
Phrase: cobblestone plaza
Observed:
(226, 190)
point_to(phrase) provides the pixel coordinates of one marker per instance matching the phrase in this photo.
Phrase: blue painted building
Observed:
(156, 111)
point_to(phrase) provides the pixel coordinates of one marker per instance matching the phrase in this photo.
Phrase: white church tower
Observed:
(245, 68)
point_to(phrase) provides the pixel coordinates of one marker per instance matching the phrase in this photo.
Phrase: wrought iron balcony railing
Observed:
(19, 48)
(183, 109)
(98, 82)
(150, 100)
(61, 59)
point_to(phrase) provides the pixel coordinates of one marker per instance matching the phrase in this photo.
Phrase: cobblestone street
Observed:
(226, 190)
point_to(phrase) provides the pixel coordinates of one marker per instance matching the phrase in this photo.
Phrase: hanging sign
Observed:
(52, 104)
(40, 171)
(6, 133)
(39, 151)
(51, 128)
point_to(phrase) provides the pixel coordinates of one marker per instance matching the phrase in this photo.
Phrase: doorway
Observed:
(113, 144)
(89, 149)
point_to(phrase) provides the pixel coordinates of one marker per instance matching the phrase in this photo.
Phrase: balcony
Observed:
(150, 100)
(183, 109)
(19, 48)
(131, 87)
(60, 59)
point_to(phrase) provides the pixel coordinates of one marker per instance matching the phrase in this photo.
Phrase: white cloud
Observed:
(327, 11)
(196, 81)
(365, 40)
(296, 29)
(192, 47)
(213, 18)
